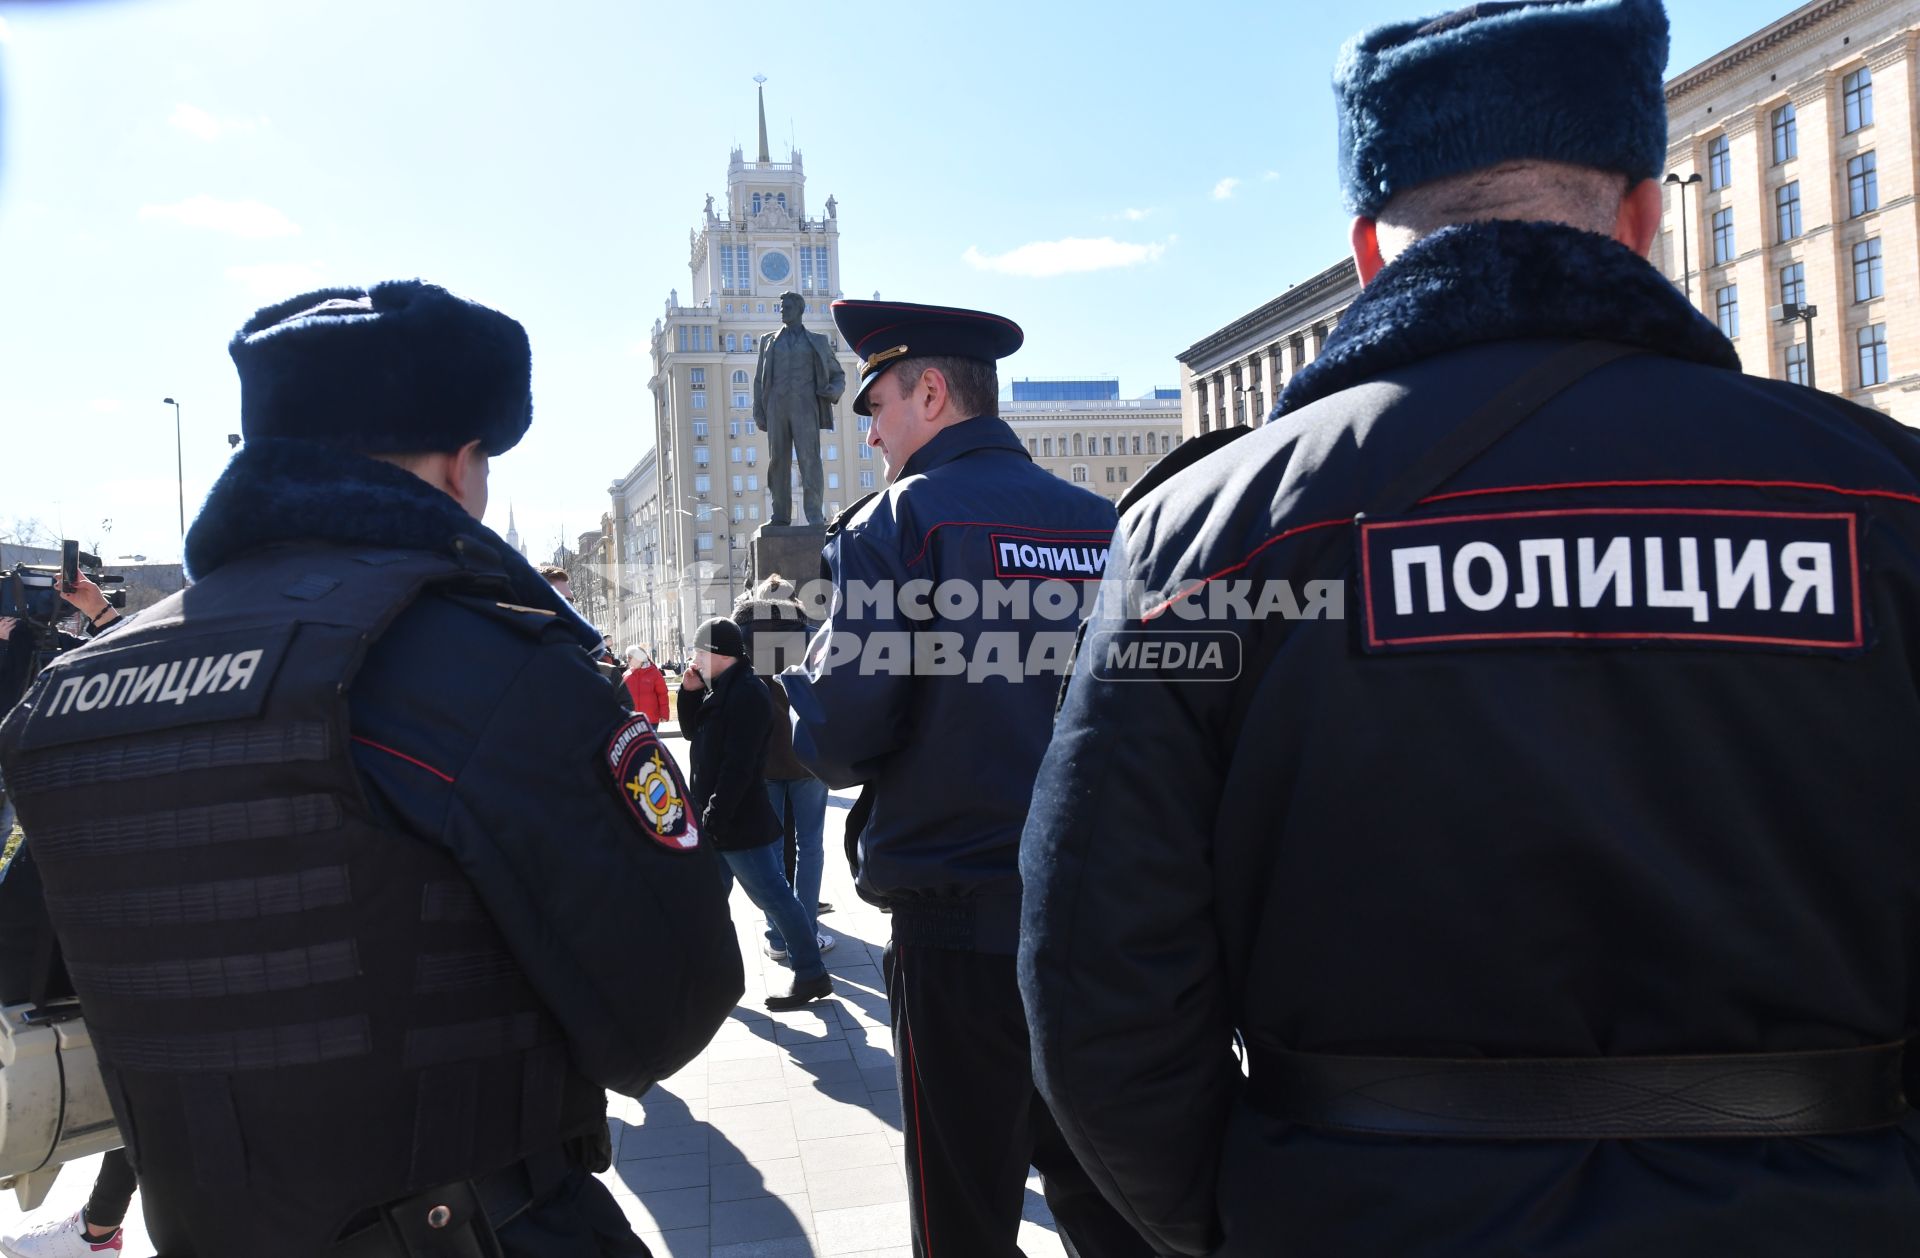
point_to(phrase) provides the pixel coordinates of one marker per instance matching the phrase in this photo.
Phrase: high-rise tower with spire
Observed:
(711, 463)
(513, 534)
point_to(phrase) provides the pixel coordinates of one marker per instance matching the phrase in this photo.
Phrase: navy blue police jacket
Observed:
(480, 725)
(1605, 747)
(921, 688)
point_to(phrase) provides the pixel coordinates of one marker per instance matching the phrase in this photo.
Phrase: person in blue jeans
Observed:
(775, 628)
(727, 717)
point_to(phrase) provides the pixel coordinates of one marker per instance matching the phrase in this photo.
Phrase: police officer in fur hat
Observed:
(365, 927)
(1546, 839)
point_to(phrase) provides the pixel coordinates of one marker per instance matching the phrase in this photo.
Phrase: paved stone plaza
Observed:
(781, 1140)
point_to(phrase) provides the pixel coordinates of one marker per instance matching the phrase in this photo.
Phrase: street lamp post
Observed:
(1791, 310)
(179, 467)
(1686, 230)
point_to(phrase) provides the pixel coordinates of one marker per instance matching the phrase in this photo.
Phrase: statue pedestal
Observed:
(792, 550)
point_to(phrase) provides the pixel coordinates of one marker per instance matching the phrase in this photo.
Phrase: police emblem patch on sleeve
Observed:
(651, 787)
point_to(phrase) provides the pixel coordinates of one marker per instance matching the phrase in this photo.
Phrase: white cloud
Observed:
(274, 281)
(1043, 258)
(104, 406)
(1224, 189)
(1270, 176)
(1134, 216)
(202, 125)
(248, 219)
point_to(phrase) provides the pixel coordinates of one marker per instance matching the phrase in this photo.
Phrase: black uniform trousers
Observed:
(973, 1120)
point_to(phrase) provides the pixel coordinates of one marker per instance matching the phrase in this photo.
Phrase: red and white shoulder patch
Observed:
(650, 785)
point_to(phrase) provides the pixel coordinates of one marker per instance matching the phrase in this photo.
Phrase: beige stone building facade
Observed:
(1233, 376)
(688, 509)
(1104, 444)
(1800, 141)
(1802, 138)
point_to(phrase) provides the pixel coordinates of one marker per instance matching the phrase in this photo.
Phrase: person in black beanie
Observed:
(362, 944)
(727, 716)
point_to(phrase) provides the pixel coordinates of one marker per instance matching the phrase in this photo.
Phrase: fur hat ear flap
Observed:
(1575, 81)
(400, 368)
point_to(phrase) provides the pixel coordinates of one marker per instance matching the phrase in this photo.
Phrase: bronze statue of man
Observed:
(795, 385)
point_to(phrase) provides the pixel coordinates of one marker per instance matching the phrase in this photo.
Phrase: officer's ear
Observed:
(1367, 258)
(1639, 219)
(932, 386)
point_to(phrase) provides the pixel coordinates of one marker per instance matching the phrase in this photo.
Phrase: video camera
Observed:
(31, 593)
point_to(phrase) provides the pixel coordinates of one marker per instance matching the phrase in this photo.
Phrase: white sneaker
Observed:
(823, 939)
(62, 1238)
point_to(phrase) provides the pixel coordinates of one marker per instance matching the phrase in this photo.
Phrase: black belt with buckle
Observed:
(1584, 1098)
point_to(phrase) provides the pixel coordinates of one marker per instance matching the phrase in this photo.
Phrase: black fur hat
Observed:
(404, 367)
(1574, 81)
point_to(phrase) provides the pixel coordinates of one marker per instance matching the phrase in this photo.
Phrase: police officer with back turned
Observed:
(1564, 891)
(912, 568)
(363, 940)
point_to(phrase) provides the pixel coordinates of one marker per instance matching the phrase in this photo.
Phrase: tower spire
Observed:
(761, 90)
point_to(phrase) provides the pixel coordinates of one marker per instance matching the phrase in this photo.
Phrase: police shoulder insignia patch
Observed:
(650, 785)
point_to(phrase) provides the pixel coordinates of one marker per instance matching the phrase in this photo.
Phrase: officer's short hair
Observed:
(554, 572)
(972, 383)
(1527, 191)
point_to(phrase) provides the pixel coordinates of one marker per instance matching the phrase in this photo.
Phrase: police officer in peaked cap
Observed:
(1546, 840)
(364, 926)
(938, 845)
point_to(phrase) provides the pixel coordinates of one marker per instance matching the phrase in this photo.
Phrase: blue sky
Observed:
(1120, 179)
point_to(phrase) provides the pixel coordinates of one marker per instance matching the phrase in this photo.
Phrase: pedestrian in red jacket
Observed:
(646, 684)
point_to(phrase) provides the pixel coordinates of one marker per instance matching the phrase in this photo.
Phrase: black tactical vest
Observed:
(300, 1014)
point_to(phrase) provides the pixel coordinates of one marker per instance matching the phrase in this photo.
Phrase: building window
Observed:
(756, 203)
(866, 480)
(703, 541)
(1046, 446)
(740, 377)
(1109, 476)
(1080, 473)
(702, 483)
(1123, 475)
(1793, 283)
(742, 401)
(753, 512)
(1136, 444)
(1873, 355)
(1719, 163)
(699, 430)
(1722, 236)
(738, 485)
(1726, 305)
(700, 456)
(734, 453)
(806, 268)
(1867, 278)
(698, 377)
(866, 422)
(1863, 185)
(1166, 443)
(1077, 448)
(1786, 210)
(729, 342)
(753, 482)
(1033, 445)
(1858, 88)
(700, 401)
(753, 455)
(1107, 442)
(1786, 134)
(833, 480)
(866, 452)
(830, 452)
(739, 512)
(746, 343)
